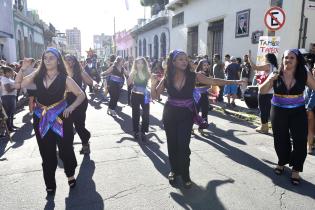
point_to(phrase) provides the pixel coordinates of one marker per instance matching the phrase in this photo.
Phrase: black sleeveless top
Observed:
(70, 96)
(118, 73)
(187, 90)
(280, 88)
(54, 93)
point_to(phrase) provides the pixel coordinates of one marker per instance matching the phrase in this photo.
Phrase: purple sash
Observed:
(189, 103)
(198, 91)
(143, 90)
(49, 117)
(288, 101)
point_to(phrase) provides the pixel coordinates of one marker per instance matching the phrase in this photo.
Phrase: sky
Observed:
(91, 17)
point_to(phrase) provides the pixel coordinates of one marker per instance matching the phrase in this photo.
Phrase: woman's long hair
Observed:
(200, 64)
(145, 70)
(61, 67)
(117, 61)
(272, 59)
(300, 70)
(170, 69)
(77, 68)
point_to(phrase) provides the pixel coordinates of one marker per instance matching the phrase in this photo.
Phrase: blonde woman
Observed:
(140, 96)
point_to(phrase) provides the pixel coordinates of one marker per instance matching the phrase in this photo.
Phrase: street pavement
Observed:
(231, 167)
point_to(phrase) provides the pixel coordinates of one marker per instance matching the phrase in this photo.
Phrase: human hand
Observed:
(27, 62)
(68, 111)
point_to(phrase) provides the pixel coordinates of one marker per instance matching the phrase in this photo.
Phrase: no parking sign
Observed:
(274, 18)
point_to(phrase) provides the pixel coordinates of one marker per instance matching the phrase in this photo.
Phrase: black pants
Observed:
(114, 92)
(178, 123)
(264, 101)
(137, 100)
(78, 116)
(9, 105)
(203, 105)
(220, 97)
(286, 123)
(47, 149)
(129, 93)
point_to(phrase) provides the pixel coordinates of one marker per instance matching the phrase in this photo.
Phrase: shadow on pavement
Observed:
(199, 197)
(84, 195)
(96, 99)
(24, 132)
(306, 188)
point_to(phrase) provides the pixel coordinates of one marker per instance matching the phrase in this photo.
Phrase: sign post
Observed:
(274, 18)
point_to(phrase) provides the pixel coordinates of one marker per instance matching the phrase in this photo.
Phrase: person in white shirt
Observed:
(8, 96)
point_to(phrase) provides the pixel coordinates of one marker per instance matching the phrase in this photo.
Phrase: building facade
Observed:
(103, 46)
(60, 42)
(28, 31)
(125, 44)
(74, 41)
(152, 36)
(232, 27)
(7, 41)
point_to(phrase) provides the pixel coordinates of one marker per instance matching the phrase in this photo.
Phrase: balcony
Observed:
(175, 4)
(155, 21)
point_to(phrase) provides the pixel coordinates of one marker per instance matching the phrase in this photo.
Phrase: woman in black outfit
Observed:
(201, 90)
(51, 121)
(116, 82)
(138, 78)
(179, 110)
(288, 114)
(79, 114)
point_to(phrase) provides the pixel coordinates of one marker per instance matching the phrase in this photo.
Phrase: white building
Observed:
(209, 26)
(7, 41)
(153, 36)
(74, 41)
(102, 45)
(60, 42)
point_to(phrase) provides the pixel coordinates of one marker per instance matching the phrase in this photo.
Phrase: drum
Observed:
(251, 97)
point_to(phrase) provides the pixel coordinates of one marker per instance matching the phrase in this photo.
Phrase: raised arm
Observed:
(23, 82)
(72, 86)
(265, 67)
(156, 87)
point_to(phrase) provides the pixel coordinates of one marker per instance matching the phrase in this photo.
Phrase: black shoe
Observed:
(12, 129)
(85, 149)
(51, 191)
(72, 183)
(279, 171)
(187, 182)
(172, 178)
(15, 127)
(143, 137)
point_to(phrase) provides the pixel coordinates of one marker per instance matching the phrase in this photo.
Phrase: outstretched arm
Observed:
(219, 82)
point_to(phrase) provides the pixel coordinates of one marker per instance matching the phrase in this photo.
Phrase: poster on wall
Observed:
(242, 23)
(267, 44)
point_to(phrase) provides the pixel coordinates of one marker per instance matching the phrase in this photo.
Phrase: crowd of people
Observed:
(57, 101)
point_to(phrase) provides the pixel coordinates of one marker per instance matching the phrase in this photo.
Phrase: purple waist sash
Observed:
(198, 91)
(189, 103)
(288, 101)
(48, 116)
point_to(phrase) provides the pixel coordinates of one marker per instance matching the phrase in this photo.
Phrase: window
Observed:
(178, 19)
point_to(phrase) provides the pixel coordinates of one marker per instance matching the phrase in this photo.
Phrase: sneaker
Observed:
(85, 150)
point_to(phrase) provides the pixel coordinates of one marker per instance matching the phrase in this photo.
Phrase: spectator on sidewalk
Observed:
(8, 97)
(232, 73)
(245, 74)
(218, 72)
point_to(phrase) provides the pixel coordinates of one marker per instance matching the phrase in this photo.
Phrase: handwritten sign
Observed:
(267, 44)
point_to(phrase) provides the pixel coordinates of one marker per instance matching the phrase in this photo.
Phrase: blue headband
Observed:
(54, 51)
(295, 51)
(177, 53)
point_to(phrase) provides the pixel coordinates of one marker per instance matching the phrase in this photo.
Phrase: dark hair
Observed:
(272, 59)
(217, 55)
(112, 58)
(227, 56)
(6, 69)
(201, 62)
(300, 70)
(170, 69)
(77, 68)
(61, 67)
(239, 60)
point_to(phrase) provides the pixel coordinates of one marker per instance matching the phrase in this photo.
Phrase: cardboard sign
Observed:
(267, 44)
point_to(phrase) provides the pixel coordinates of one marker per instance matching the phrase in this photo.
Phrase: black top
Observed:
(55, 91)
(280, 88)
(118, 73)
(187, 90)
(70, 96)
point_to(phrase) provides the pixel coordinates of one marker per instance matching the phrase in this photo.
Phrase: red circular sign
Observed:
(274, 18)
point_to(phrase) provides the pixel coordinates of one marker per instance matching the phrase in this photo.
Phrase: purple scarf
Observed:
(49, 117)
(189, 103)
